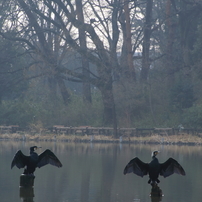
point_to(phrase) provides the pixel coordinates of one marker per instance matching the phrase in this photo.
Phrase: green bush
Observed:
(79, 113)
(18, 112)
(192, 117)
(26, 112)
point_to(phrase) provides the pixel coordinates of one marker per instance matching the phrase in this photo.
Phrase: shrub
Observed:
(192, 117)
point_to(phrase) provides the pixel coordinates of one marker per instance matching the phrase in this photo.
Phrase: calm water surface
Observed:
(94, 173)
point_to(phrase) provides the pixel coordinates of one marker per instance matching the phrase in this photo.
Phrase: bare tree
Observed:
(103, 33)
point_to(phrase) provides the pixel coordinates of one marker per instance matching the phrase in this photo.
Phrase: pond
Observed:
(94, 173)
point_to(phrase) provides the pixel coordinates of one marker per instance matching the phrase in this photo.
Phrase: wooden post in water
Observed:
(27, 194)
(156, 193)
(27, 180)
(27, 187)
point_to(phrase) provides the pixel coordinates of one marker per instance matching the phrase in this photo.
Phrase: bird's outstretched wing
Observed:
(48, 157)
(170, 167)
(19, 160)
(137, 167)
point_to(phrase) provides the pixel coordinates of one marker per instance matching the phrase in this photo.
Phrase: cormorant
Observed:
(154, 168)
(34, 160)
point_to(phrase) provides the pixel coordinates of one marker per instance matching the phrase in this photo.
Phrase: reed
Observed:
(180, 138)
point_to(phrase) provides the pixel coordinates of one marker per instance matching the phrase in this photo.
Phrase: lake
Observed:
(93, 172)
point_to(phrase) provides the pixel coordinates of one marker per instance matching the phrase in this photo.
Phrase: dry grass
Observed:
(150, 139)
(171, 139)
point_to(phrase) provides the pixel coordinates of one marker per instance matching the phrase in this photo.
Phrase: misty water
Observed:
(93, 172)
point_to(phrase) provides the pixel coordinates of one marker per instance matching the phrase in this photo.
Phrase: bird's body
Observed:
(154, 168)
(31, 163)
(34, 160)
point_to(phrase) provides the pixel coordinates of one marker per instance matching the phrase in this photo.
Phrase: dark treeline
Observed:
(120, 63)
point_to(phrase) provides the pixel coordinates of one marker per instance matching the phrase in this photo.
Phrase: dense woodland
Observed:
(118, 63)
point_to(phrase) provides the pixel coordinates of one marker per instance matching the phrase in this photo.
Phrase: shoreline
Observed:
(179, 139)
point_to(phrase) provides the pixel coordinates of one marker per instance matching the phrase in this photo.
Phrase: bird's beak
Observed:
(39, 147)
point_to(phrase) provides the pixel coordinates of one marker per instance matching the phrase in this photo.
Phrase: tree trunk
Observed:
(146, 42)
(52, 84)
(85, 63)
(63, 90)
(109, 108)
(126, 60)
(170, 41)
(129, 54)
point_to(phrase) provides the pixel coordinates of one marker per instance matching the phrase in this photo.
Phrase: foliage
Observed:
(28, 113)
(192, 117)
(18, 112)
(12, 69)
(181, 95)
(82, 113)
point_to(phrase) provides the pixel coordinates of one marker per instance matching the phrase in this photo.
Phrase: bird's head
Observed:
(154, 153)
(32, 149)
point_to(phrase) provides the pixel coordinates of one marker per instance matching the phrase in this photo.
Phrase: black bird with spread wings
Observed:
(34, 160)
(154, 168)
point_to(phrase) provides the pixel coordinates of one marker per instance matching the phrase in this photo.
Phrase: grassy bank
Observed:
(181, 138)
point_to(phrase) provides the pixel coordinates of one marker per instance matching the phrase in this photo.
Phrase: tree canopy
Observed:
(141, 58)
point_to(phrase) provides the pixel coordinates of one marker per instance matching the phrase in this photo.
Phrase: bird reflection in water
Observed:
(27, 194)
